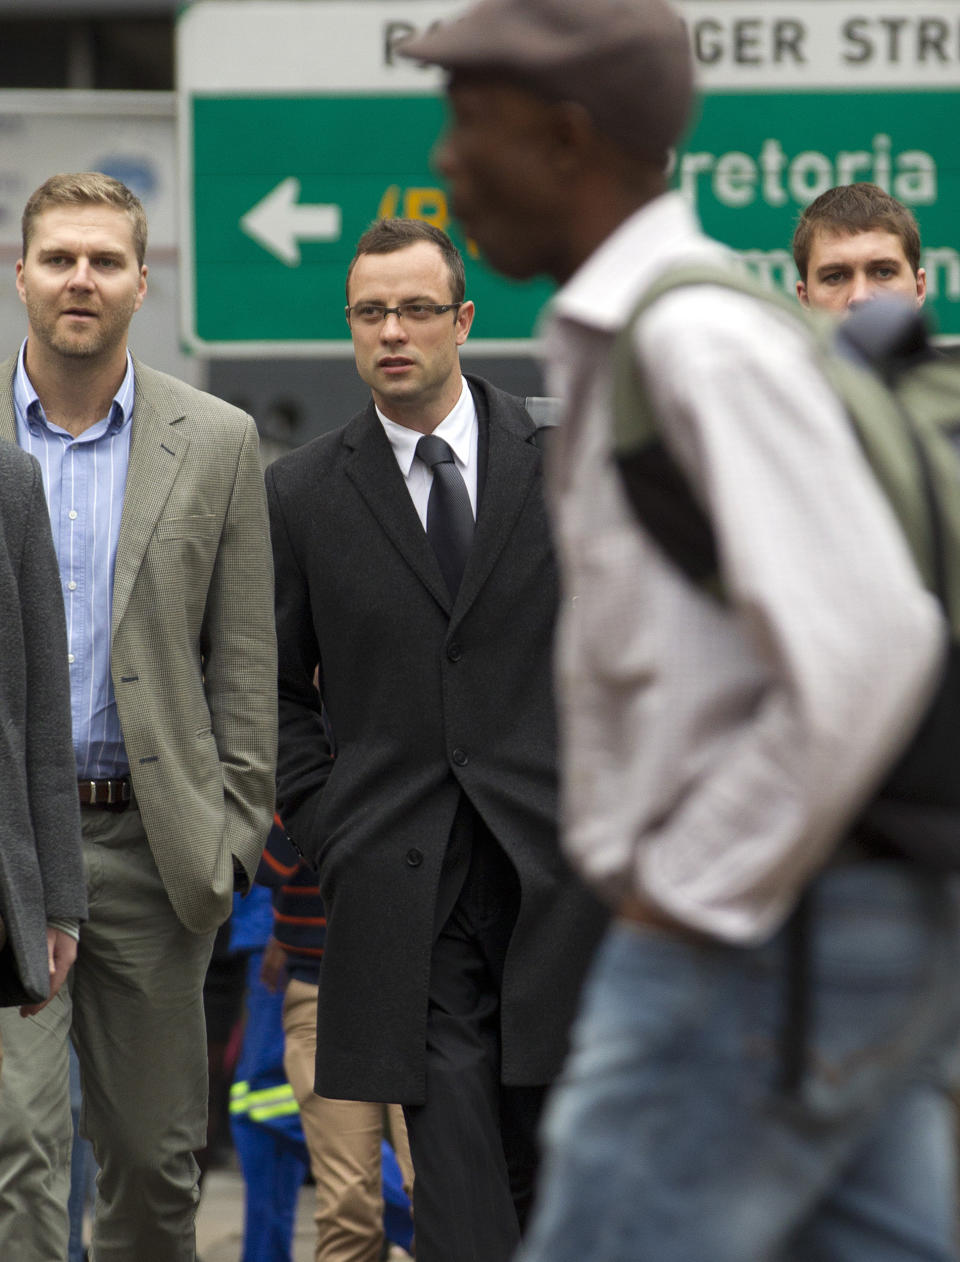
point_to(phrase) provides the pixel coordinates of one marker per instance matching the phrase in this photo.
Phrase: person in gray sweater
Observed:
(42, 890)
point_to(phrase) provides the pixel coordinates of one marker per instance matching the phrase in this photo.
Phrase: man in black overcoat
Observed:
(457, 938)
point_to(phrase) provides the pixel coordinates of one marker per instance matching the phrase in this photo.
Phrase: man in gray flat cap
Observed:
(715, 750)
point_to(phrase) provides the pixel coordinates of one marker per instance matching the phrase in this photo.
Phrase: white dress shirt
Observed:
(460, 429)
(713, 754)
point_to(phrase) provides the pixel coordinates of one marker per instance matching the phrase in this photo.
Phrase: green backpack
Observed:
(903, 401)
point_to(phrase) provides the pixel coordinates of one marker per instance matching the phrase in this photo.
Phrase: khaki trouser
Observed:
(343, 1138)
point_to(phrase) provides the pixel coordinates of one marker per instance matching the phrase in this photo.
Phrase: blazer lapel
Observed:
(8, 423)
(157, 450)
(372, 467)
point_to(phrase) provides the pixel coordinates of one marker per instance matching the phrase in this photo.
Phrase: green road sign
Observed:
(272, 246)
(299, 125)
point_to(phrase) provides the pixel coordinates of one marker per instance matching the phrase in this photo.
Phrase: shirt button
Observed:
(414, 858)
(70, 658)
(71, 586)
(72, 514)
(460, 758)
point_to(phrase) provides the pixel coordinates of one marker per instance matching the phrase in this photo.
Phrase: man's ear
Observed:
(802, 294)
(569, 136)
(464, 321)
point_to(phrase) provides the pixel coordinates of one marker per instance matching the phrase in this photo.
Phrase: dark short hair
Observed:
(86, 188)
(384, 236)
(852, 208)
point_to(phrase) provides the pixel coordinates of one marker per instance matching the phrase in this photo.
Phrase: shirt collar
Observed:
(603, 290)
(27, 403)
(456, 428)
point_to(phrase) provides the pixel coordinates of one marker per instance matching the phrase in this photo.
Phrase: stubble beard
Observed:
(87, 343)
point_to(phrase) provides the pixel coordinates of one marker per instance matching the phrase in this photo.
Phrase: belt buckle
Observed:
(117, 793)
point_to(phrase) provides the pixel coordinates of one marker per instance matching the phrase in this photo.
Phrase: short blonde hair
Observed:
(86, 188)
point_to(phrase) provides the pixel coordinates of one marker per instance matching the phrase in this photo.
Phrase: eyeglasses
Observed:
(414, 312)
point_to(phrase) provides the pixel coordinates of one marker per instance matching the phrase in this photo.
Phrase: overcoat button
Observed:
(414, 858)
(460, 758)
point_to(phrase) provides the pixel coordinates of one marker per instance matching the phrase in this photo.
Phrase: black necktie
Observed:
(449, 515)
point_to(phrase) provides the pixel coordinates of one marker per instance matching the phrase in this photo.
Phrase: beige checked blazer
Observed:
(193, 651)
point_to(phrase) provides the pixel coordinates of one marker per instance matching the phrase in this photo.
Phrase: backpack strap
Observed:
(668, 506)
(657, 487)
(544, 411)
(633, 427)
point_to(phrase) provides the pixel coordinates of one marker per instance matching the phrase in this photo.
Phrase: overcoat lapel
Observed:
(510, 464)
(372, 467)
(509, 469)
(157, 451)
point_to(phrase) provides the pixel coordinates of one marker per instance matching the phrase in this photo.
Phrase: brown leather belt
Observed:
(107, 795)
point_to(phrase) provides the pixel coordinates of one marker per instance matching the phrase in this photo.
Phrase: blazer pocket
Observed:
(200, 527)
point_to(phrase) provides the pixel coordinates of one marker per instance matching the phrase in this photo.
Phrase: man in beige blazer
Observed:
(157, 507)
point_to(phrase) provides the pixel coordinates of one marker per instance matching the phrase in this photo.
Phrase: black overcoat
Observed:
(423, 700)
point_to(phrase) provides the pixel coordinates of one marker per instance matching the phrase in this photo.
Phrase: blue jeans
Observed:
(670, 1139)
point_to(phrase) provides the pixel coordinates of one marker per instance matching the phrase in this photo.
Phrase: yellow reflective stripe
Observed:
(239, 1091)
(264, 1112)
(266, 1094)
(268, 1102)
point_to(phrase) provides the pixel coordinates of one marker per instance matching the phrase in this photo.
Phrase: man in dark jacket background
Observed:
(456, 936)
(42, 899)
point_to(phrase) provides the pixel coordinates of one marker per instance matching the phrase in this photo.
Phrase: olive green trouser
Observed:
(135, 1013)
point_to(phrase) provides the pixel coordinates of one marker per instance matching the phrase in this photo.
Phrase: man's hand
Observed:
(61, 952)
(638, 912)
(274, 966)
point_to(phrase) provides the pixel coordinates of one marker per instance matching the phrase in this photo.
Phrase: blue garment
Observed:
(251, 921)
(273, 1175)
(84, 480)
(397, 1212)
(265, 1124)
(669, 1136)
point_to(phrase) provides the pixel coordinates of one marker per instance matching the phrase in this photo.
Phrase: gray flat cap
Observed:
(627, 62)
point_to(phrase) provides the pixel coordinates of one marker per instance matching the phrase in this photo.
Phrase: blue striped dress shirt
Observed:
(84, 479)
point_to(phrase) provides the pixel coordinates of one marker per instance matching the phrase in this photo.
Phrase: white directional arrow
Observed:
(279, 223)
